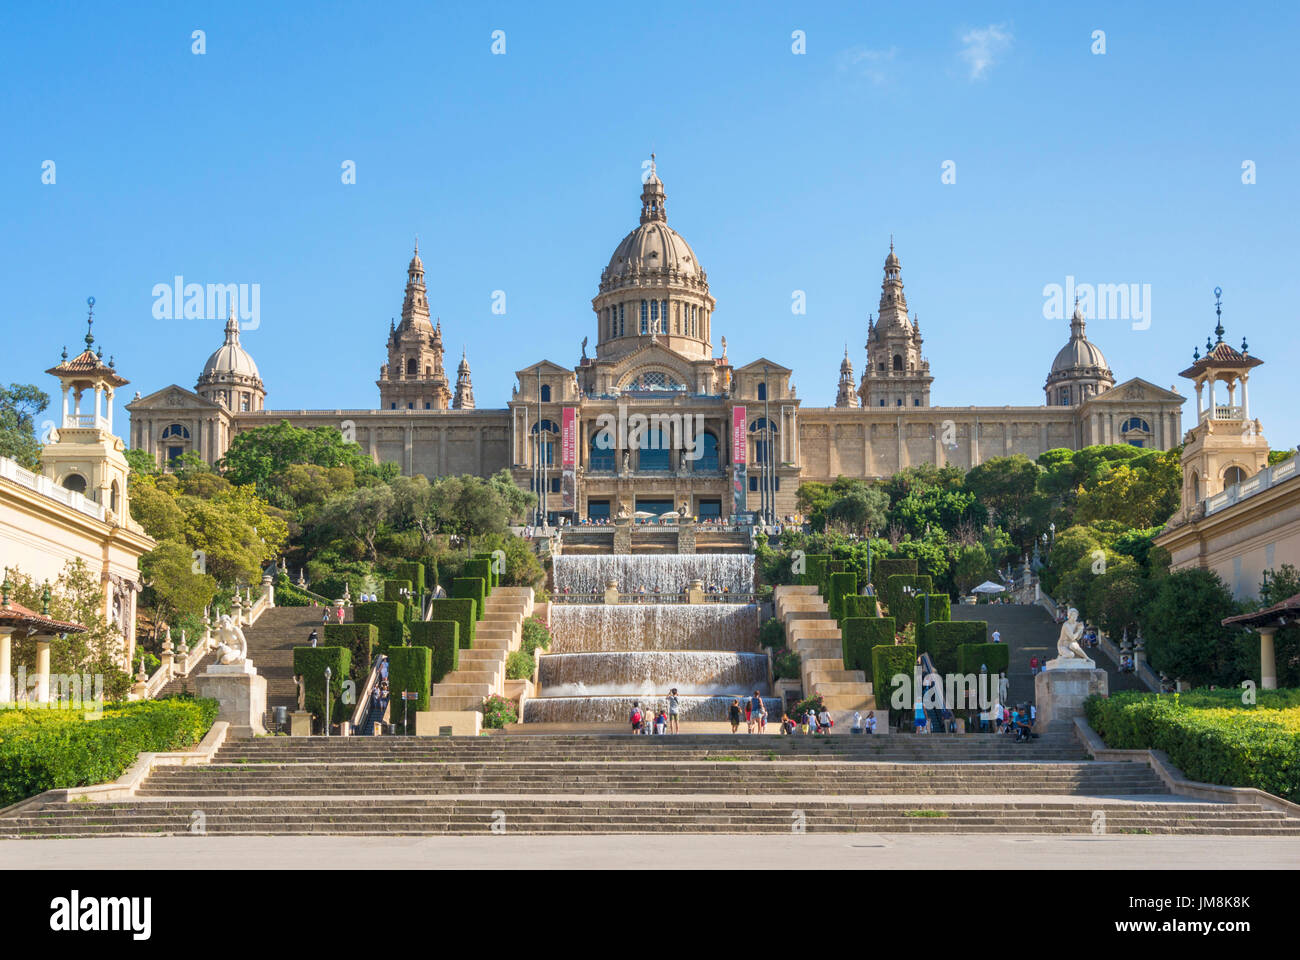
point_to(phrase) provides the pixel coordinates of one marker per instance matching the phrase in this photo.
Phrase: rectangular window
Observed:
(654, 309)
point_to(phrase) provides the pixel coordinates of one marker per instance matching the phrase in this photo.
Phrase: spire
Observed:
(1078, 325)
(90, 322)
(415, 304)
(846, 395)
(1218, 313)
(653, 197)
(464, 399)
(232, 328)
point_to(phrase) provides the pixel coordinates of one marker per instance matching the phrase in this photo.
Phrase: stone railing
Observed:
(1268, 477)
(10, 470)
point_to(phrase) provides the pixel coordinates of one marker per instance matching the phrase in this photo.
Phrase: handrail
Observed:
(363, 701)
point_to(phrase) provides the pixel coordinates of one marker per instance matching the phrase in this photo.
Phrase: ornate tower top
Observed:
(653, 198)
(846, 395)
(464, 389)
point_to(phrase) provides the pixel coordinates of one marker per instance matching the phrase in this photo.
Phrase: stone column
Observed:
(43, 670)
(1267, 662)
(6, 681)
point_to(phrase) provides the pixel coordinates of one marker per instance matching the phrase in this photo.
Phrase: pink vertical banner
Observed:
(568, 457)
(739, 435)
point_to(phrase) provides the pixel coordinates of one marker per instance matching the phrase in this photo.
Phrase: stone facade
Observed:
(654, 418)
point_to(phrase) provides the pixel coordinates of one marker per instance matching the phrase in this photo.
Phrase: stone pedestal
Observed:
(611, 592)
(300, 723)
(1061, 688)
(695, 592)
(623, 535)
(456, 723)
(240, 691)
(686, 535)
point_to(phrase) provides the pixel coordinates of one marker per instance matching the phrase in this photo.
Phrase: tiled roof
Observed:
(87, 363)
(17, 616)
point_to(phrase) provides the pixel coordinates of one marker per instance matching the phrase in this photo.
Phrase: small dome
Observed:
(230, 359)
(1080, 353)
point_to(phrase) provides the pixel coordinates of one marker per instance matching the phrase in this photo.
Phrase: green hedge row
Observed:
(886, 662)
(463, 612)
(814, 574)
(409, 668)
(901, 607)
(310, 663)
(393, 592)
(414, 572)
(882, 570)
(482, 569)
(972, 656)
(861, 635)
(855, 605)
(360, 639)
(841, 585)
(471, 588)
(43, 749)
(1242, 747)
(443, 638)
(388, 616)
(940, 639)
(495, 580)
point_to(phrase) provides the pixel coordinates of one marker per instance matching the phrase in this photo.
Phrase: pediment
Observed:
(1135, 390)
(173, 397)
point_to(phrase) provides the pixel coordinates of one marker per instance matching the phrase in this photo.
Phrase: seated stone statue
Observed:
(1067, 643)
(231, 647)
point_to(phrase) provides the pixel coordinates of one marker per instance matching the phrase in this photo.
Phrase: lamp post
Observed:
(328, 674)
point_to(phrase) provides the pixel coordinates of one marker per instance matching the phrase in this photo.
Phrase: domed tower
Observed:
(464, 389)
(847, 395)
(654, 288)
(1079, 370)
(230, 376)
(413, 378)
(896, 374)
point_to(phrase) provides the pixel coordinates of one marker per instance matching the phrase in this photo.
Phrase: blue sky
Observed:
(522, 172)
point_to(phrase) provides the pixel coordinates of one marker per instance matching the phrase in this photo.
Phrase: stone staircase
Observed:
(555, 784)
(481, 670)
(810, 630)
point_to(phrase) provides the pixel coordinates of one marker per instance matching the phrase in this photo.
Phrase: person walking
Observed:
(312, 638)
(734, 716)
(997, 636)
(824, 721)
(1033, 666)
(753, 710)
(325, 617)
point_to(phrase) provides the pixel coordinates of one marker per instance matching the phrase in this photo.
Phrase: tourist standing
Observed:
(870, 722)
(997, 636)
(824, 721)
(636, 718)
(312, 638)
(734, 716)
(673, 707)
(1033, 665)
(753, 710)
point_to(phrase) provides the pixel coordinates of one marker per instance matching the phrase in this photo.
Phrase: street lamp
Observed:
(328, 674)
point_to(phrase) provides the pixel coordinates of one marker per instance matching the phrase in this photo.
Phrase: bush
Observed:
(1242, 747)
(787, 665)
(409, 669)
(972, 656)
(360, 639)
(481, 569)
(772, 633)
(813, 703)
(497, 712)
(887, 662)
(43, 749)
(535, 634)
(519, 665)
(814, 574)
(310, 663)
(860, 635)
(901, 607)
(388, 616)
(471, 588)
(940, 608)
(288, 595)
(393, 592)
(463, 612)
(841, 585)
(443, 638)
(413, 572)
(492, 576)
(855, 605)
(882, 570)
(940, 639)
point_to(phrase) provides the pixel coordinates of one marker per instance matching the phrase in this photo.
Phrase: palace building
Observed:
(657, 417)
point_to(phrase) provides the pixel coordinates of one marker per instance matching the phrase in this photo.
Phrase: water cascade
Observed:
(583, 627)
(655, 573)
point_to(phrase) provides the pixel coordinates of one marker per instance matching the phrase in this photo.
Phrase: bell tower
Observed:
(896, 374)
(413, 378)
(1227, 445)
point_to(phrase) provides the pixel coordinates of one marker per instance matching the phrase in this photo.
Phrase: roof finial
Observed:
(652, 164)
(45, 600)
(1218, 313)
(891, 243)
(90, 321)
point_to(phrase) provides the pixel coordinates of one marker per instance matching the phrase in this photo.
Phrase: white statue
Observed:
(1067, 644)
(231, 647)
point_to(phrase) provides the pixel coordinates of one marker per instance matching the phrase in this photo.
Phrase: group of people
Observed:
(1017, 721)
(754, 711)
(661, 722)
(812, 722)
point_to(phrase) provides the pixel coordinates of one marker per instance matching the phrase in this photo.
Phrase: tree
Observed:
(263, 455)
(174, 588)
(20, 405)
(1183, 628)
(1140, 493)
(971, 566)
(358, 515)
(1008, 487)
(860, 511)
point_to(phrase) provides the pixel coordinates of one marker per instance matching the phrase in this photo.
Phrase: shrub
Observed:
(902, 607)
(814, 574)
(493, 577)
(940, 639)
(310, 663)
(787, 665)
(388, 616)
(535, 634)
(471, 588)
(772, 633)
(860, 635)
(813, 703)
(463, 612)
(393, 592)
(882, 570)
(288, 595)
(498, 711)
(972, 656)
(887, 662)
(855, 605)
(360, 639)
(443, 638)
(482, 569)
(1237, 747)
(413, 572)
(841, 585)
(940, 608)
(519, 665)
(44, 749)
(409, 669)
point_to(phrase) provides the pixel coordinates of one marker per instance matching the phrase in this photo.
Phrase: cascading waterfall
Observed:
(605, 657)
(583, 627)
(665, 573)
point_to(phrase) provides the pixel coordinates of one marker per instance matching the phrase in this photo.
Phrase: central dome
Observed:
(652, 248)
(230, 361)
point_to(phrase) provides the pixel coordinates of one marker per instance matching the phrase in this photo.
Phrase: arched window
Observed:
(600, 456)
(1233, 475)
(654, 455)
(75, 482)
(707, 448)
(898, 362)
(1135, 431)
(112, 497)
(550, 430)
(1196, 487)
(175, 431)
(546, 393)
(764, 432)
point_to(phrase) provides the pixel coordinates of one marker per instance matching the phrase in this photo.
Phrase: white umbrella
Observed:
(988, 586)
(644, 515)
(670, 515)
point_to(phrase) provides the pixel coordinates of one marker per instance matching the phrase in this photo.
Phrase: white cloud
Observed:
(982, 47)
(871, 64)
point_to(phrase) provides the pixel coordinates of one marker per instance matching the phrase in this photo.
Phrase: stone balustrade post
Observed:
(168, 657)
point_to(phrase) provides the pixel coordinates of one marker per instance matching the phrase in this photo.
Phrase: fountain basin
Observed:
(617, 709)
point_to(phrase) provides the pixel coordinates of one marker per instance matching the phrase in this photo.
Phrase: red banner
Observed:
(739, 435)
(569, 437)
